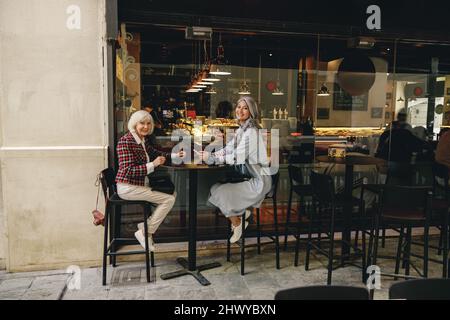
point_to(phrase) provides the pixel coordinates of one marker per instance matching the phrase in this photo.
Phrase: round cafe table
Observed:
(189, 265)
(350, 161)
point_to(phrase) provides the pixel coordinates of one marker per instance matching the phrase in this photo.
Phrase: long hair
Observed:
(253, 108)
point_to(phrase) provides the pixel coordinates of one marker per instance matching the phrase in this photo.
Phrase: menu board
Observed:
(343, 101)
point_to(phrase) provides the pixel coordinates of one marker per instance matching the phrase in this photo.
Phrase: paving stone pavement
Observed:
(261, 281)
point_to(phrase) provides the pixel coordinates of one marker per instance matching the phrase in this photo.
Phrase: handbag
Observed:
(99, 217)
(239, 174)
(160, 181)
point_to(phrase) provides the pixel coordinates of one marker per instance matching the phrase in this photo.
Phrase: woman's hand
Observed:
(181, 154)
(159, 161)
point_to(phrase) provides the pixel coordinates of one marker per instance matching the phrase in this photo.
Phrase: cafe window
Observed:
(327, 95)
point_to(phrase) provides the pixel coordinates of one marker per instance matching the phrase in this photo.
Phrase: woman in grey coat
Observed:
(247, 150)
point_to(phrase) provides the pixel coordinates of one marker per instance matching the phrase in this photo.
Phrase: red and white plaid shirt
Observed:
(133, 161)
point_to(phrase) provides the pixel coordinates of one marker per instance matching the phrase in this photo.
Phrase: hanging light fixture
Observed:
(323, 92)
(220, 65)
(207, 66)
(400, 99)
(244, 89)
(278, 90)
(193, 90)
(206, 83)
(211, 78)
(211, 91)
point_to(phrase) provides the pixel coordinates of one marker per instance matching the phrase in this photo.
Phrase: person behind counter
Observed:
(443, 148)
(156, 119)
(234, 199)
(137, 159)
(224, 110)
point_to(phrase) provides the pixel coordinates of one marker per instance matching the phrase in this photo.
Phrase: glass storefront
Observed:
(322, 92)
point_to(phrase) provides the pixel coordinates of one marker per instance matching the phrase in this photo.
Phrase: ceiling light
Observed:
(323, 92)
(244, 89)
(211, 91)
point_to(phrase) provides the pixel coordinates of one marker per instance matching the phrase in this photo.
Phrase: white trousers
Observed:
(164, 202)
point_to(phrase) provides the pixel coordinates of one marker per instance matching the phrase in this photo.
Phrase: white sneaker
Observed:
(140, 237)
(237, 232)
(248, 214)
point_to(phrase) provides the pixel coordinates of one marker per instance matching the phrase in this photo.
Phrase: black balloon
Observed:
(356, 74)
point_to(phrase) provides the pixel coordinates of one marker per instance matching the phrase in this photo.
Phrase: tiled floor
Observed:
(261, 280)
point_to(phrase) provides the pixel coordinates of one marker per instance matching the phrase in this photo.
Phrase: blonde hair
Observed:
(140, 116)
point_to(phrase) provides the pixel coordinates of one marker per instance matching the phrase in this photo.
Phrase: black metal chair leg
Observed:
(425, 250)
(331, 249)
(277, 240)
(105, 245)
(445, 246)
(319, 232)
(364, 257)
(399, 251)
(376, 240)
(362, 212)
(258, 229)
(228, 241)
(441, 233)
(116, 227)
(147, 254)
(408, 251)
(297, 240)
(288, 217)
(308, 243)
(243, 244)
(383, 238)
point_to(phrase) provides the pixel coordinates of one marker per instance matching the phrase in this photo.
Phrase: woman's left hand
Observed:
(181, 154)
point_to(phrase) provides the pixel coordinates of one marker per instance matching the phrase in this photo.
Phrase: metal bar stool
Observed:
(275, 238)
(111, 241)
(302, 190)
(407, 207)
(327, 201)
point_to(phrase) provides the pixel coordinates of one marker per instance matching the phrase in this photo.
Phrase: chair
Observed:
(405, 207)
(111, 239)
(421, 289)
(302, 190)
(275, 238)
(328, 201)
(441, 205)
(323, 293)
(436, 175)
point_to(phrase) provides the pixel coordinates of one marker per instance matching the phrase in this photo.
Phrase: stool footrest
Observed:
(125, 253)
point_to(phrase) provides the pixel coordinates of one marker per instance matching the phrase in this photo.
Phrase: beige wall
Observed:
(377, 98)
(53, 133)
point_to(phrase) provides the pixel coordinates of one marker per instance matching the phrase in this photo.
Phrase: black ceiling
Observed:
(418, 19)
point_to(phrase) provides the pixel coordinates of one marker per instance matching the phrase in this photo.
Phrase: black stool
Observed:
(324, 197)
(275, 238)
(113, 201)
(405, 207)
(421, 289)
(323, 293)
(302, 190)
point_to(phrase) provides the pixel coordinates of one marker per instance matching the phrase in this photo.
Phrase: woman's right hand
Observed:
(159, 161)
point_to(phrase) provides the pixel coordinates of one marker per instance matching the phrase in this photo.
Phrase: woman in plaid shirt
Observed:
(137, 159)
